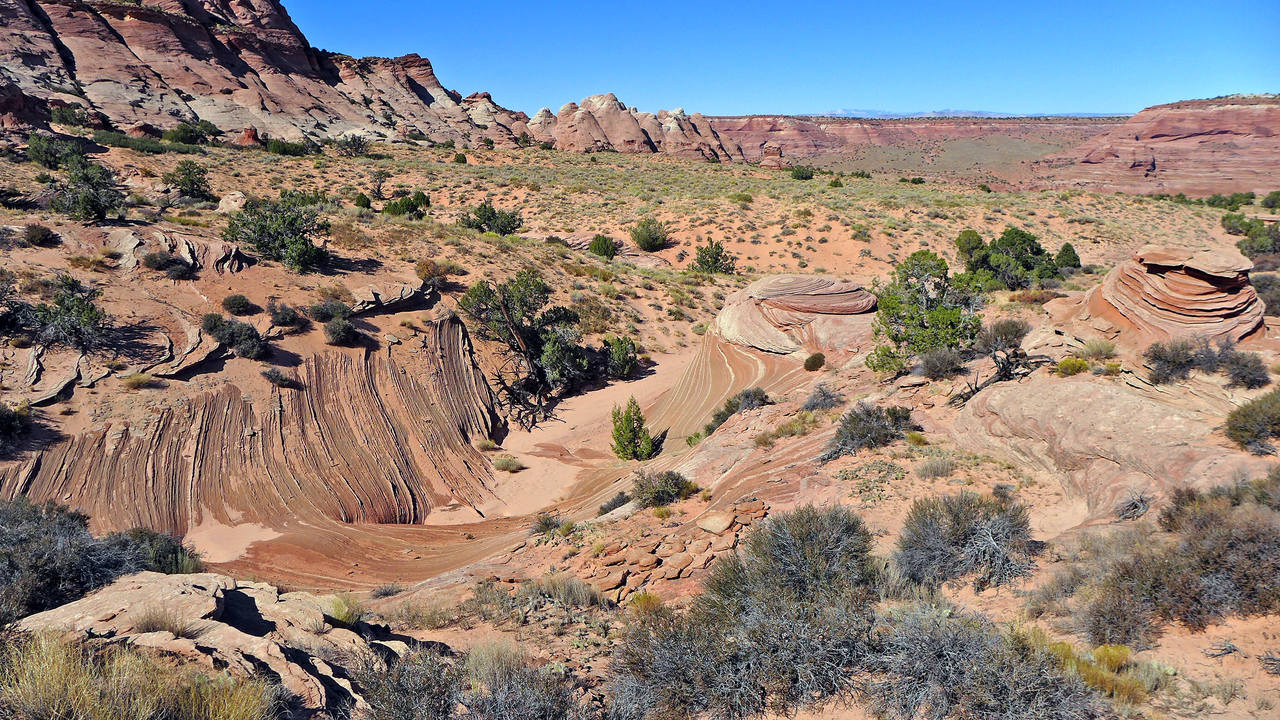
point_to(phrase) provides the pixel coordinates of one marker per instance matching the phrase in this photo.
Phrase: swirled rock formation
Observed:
(790, 313)
(1161, 293)
(362, 442)
(245, 628)
(1197, 147)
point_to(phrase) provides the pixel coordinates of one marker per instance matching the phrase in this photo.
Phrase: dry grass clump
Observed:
(137, 381)
(165, 619)
(508, 463)
(43, 677)
(346, 610)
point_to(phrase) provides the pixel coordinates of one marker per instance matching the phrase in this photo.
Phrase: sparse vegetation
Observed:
(486, 218)
(281, 230)
(748, 399)
(650, 235)
(661, 488)
(869, 426)
(954, 536)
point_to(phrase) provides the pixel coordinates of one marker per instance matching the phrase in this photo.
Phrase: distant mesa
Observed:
(790, 313)
(1197, 147)
(1162, 293)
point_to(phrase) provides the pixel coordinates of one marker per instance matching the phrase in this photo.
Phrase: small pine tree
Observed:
(968, 241)
(631, 439)
(1067, 257)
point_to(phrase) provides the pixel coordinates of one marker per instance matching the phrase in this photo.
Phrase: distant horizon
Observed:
(1012, 59)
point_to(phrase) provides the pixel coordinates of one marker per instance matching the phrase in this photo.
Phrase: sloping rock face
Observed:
(1197, 147)
(789, 313)
(602, 123)
(1163, 293)
(237, 64)
(1103, 439)
(243, 64)
(245, 628)
(363, 442)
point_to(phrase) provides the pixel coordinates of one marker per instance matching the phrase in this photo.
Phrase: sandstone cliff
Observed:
(1197, 147)
(245, 64)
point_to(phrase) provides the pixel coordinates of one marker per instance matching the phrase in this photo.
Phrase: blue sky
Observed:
(758, 57)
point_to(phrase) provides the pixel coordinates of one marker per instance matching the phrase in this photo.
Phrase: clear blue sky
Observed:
(798, 57)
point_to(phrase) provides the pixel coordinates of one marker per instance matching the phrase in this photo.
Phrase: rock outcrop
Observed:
(245, 628)
(1102, 439)
(1163, 293)
(602, 123)
(789, 313)
(245, 67)
(1197, 147)
(362, 442)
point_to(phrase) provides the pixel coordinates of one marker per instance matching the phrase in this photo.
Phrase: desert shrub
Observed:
(621, 360)
(39, 235)
(48, 558)
(1253, 424)
(741, 197)
(815, 362)
(241, 337)
(941, 363)
(281, 230)
(485, 218)
(346, 610)
(362, 201)
(88, 193)
(13, 426)
(191, 179)
(662, 488)
(713, 258)
(1069, 366)
(949, 537)
(936, 663)
(409, 205)
(507, 463)
(562, 589)
(162, 619)
(1098, 350)
(422, 685)
(158, 260)
(341, 331)
(1245, 369)
(70, 115)
(53, 153)
(822, 398)
(521, 692)
(285, 316)
(1012, 261)
(1268, 287)
(329, 309)
(352, 145)
(802, 172)
(835, 183)
(783, 623)
(603, 246)
(650, 235)
(276, 146)
(279, 379)
(748, 399)
(545, 523)
(631, 438)
(137, 380)
(868, 426)
(936, 466)
(613, 503)
(1171, 360)
(44, 676)
(70, 319)
(239, 305)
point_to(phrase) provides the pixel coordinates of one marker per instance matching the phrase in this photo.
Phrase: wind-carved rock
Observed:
(789, 313)
(1162, 293)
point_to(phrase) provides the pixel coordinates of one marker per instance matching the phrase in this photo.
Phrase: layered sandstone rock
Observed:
(1163, 293)
(1104, 440)
(602, 123)
(245, 628)
(363, 441)
(245, 67)
(789, 313)
(1197, 147)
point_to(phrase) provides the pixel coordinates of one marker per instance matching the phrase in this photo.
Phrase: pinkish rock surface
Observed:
(789, 313)
(1162, 293)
